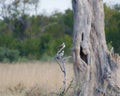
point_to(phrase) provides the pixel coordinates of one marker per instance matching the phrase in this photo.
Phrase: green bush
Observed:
(8, 54)
(29, 48)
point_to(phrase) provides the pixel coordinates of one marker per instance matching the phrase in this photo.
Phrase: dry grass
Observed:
(21, 79)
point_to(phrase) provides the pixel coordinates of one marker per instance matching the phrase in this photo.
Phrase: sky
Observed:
(49, 6)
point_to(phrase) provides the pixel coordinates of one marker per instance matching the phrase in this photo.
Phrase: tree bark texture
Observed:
(96, 69)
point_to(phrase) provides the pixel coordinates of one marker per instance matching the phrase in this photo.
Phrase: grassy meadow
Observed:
(32, 79)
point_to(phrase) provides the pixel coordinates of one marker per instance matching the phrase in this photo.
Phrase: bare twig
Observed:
(69, 86)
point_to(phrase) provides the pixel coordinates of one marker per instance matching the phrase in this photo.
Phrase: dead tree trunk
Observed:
(95, 69)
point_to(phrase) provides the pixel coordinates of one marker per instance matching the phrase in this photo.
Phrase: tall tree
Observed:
(95, 67)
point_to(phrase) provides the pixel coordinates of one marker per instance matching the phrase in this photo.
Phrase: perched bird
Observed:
(62, 46)
(62, 53)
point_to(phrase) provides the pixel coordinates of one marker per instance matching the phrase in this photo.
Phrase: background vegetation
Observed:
(38, 36)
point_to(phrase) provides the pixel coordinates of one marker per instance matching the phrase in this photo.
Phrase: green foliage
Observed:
(28, 48)
(8, 54)
(109, 45)
(117, 7)
(44, 44)
(68, 21)
(112, 29)
(38, 37)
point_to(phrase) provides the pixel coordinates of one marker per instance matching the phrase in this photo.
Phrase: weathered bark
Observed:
(95, 70)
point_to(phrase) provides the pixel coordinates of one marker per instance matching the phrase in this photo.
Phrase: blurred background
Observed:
(33, 30)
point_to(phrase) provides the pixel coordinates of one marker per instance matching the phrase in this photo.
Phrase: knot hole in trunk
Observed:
(83, 56)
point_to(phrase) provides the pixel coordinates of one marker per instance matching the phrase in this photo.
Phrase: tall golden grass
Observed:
(47, 76)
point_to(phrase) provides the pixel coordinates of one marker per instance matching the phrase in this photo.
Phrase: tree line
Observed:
(38, 36)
